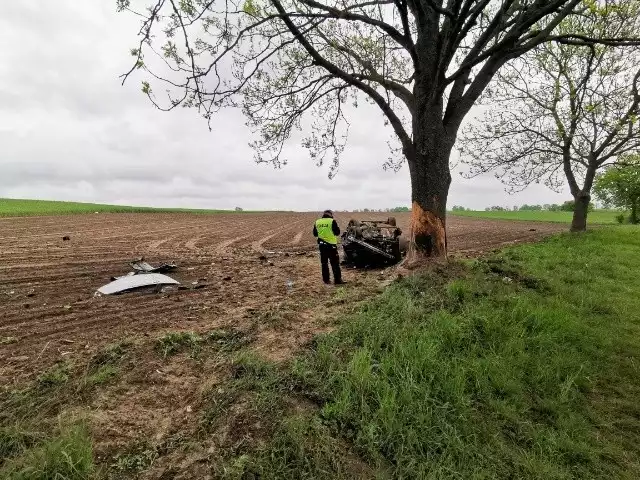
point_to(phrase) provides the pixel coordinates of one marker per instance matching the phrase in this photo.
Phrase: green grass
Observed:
(597, 217)
(221, 340)
(525, 365)
(68, 456)
(20, 208)
(135, 460)
(34, 444)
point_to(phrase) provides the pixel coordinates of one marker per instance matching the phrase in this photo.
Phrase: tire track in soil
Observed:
(155, 245)
(223, 248)
(296, 239)
(257, 245)
(191, 244)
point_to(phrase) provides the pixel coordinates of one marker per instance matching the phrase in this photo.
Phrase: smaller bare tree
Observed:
(561, 113)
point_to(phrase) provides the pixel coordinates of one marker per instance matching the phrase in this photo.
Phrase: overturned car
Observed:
(373, 243)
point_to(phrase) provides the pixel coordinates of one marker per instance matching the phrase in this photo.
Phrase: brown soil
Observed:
(47, 285)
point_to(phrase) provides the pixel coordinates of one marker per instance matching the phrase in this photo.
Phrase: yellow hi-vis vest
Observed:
(325, 232)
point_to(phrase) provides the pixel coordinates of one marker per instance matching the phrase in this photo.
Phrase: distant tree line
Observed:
(384, 210)
(568, 206)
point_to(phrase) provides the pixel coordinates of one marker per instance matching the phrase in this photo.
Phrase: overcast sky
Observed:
(70, 131)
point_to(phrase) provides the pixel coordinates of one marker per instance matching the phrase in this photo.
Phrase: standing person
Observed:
(326, 230)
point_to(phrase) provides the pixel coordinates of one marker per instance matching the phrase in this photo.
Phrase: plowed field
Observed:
(47, 306)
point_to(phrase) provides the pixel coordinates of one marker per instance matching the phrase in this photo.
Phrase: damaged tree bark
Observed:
(430, 181)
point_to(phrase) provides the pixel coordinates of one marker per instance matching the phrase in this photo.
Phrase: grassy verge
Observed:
(599, 217)
(39, 437)
(66, 456)
(16, 207)
(524, 365)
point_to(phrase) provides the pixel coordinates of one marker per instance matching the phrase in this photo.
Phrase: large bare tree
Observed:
(561, 112)
(424, 63)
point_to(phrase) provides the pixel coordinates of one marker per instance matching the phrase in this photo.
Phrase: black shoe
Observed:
(340, 282)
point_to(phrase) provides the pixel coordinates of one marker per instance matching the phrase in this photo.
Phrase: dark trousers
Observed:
(329, 253)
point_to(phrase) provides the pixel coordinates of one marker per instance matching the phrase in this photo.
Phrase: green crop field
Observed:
(595, 217)
(21, 208)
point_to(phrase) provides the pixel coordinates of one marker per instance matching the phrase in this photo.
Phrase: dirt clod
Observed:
(19, 358)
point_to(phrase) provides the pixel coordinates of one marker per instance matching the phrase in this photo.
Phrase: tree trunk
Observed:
(430, 181)
(581, 197)
(579, 222)
(634, 213)
(428, 159)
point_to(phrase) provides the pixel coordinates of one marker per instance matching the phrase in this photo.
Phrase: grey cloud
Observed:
(69, 131)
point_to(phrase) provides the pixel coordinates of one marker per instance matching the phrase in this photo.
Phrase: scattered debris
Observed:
(67, 307)
(8, 340)
(130, 274)
(43, 350)
(143, 275)
(140, 266)
(131, 282)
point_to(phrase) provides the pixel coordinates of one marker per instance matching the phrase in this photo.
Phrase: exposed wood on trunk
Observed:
(428, 234)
